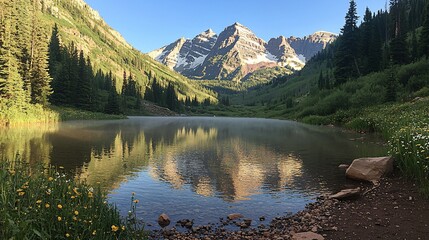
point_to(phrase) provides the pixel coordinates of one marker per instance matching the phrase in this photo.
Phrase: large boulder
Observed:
(307, 236)
(370, 169)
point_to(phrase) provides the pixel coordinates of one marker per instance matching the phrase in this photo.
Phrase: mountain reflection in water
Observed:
(208, 165)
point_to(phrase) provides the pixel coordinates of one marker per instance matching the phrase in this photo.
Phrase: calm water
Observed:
(197, 168)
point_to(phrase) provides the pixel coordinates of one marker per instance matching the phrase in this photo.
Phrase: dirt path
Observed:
(395, 210)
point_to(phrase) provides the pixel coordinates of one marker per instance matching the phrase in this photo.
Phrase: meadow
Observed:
(39, 202)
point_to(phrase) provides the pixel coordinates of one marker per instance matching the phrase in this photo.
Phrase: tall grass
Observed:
(14, 115)
(43, 203)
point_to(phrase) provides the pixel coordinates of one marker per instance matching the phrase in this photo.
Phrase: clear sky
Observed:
(151, 24)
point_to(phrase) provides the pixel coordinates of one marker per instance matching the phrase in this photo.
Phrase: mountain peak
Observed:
(209, 33)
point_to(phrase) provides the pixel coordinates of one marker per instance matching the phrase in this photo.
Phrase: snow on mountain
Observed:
(237, 51)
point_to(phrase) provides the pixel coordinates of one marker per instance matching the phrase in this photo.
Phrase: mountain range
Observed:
(237, 52)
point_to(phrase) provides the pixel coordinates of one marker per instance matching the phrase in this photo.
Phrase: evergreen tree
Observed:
(346, 56)
(11, 82)
(171, 98)
(398, 45)
(375, 53)
(321, 81)
(391, 88)
(39, 66)
(83, 85)
(54, 52)
(112, 105)
(424, 35)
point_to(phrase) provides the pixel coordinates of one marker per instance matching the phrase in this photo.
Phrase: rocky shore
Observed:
(391, 209)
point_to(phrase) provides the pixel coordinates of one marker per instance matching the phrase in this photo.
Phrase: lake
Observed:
(200, 168)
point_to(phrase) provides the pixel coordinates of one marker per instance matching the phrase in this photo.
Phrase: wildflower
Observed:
(50, 179)
(21, 194)
(61, 167)
(67, 235)
(136, 201)
(123, 228)
(59, 219)
(72, 197)
(74, 218)
(47, 205)
(90, 195)
(76, 213)
(19, 190)
(114, 228)
(94, 232)
(60, 206)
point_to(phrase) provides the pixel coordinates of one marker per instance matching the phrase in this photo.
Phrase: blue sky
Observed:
(150, 24)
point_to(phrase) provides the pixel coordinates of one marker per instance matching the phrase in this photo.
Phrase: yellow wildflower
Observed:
(59, 219)
(114, 228)
(50, 179)
(94, 232)
(60, 206)
(74, 218)
(67, 235)
(90, 195)
(47, 205)
(39, 201)
(76, 213)
(123, 228)
(21, 193)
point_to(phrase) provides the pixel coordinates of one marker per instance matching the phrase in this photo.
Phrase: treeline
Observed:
(384, 39)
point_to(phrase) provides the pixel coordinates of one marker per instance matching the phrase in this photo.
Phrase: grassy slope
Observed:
(110, 52)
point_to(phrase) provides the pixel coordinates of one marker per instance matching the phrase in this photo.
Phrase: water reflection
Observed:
(196, 161)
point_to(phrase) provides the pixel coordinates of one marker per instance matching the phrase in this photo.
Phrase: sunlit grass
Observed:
(43, 203)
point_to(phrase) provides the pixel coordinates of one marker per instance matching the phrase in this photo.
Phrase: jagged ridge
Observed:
(237, 52)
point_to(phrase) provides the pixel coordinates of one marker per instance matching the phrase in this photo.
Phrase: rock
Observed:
(234, 216)
(370, 169)
(343, 166)
(163, 220)
(347, 194)
(307, 236)
(248, 222)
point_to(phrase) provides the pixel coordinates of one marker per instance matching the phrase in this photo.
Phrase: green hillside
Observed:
(108, 50)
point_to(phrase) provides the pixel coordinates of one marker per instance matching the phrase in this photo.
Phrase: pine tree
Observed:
(83, 87)
(346, 56)
(39, 72)
(424, 35)
(54, 52)
(375, 52)
(113, 105)
(11, 82)
(171, 98)
(321, 81)
(398, 45)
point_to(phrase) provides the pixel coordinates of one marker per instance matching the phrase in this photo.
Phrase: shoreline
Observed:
(382, 213)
